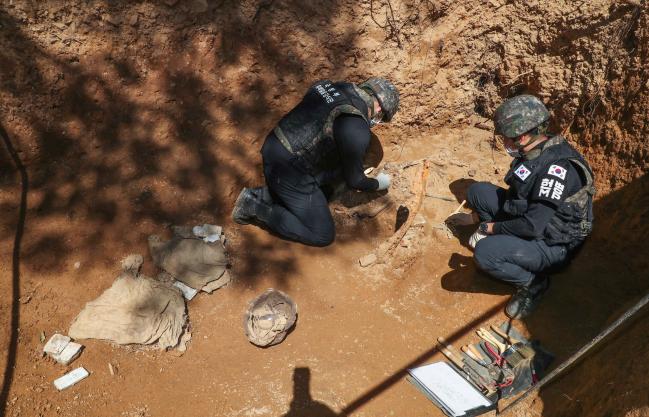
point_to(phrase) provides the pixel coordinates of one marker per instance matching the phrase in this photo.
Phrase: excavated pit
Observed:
(122, 118)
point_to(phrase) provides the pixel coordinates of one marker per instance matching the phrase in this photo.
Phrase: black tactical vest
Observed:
(307, 130)
(573, 220)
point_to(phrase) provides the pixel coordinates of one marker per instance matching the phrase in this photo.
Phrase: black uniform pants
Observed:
(300, 210)
(505, 257)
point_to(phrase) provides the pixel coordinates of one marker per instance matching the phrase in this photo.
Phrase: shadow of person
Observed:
(302, 405)
(402, 215)
(461, 232)
(465, 277)
(459, 187)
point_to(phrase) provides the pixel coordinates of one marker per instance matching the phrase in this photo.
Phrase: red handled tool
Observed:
(493, 352)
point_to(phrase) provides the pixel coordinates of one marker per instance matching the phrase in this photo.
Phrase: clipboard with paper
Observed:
(450, 391)
(501, 365)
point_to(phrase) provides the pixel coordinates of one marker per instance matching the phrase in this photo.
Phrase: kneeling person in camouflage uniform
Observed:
(537, 224)
(317, 144)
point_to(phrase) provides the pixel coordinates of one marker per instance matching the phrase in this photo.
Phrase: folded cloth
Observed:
(188, 259)
(135, 309)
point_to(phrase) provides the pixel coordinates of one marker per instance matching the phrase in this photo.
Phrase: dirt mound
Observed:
(129, 116)
(587, 61)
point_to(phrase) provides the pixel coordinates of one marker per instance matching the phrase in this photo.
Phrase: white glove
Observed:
(476, 237)
(384, 181)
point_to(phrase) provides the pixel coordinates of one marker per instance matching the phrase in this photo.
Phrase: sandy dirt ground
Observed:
(128, 117)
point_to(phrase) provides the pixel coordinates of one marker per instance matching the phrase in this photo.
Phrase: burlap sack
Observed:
(191, 260)
(135, 309)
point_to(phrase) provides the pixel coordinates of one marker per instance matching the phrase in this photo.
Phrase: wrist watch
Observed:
(483, 228)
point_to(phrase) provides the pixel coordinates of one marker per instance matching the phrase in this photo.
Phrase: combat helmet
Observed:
(386, 93)
(519, 115)
(269, 318)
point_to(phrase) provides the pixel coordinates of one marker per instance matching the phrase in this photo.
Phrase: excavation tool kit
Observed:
(500, 364)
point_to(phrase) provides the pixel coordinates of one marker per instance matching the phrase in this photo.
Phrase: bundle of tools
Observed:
(501, 364)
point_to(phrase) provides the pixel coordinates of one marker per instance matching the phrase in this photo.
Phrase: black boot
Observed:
(525, 300)
(251, 207)
(262, 194)
(244, 208)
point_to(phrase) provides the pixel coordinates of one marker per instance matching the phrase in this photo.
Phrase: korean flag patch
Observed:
(522, 172)
(557, 171)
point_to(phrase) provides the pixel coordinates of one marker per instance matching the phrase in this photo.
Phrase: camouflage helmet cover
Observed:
(519, 115)
(386, 93)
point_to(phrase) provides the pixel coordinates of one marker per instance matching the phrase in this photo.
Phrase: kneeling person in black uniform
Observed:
(546, 214)
(317, 144)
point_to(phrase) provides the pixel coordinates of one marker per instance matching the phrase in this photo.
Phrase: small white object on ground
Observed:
(209, 232)
(212, 238)
(69, 353)
(56, 344)
(188, 292)
(369, 170)
(368, 260)
(71, 378)
(62, 349)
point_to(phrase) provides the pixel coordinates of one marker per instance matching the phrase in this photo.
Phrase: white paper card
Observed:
(70, 378)
(56, 344)
(70, 353)
(451, 389)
